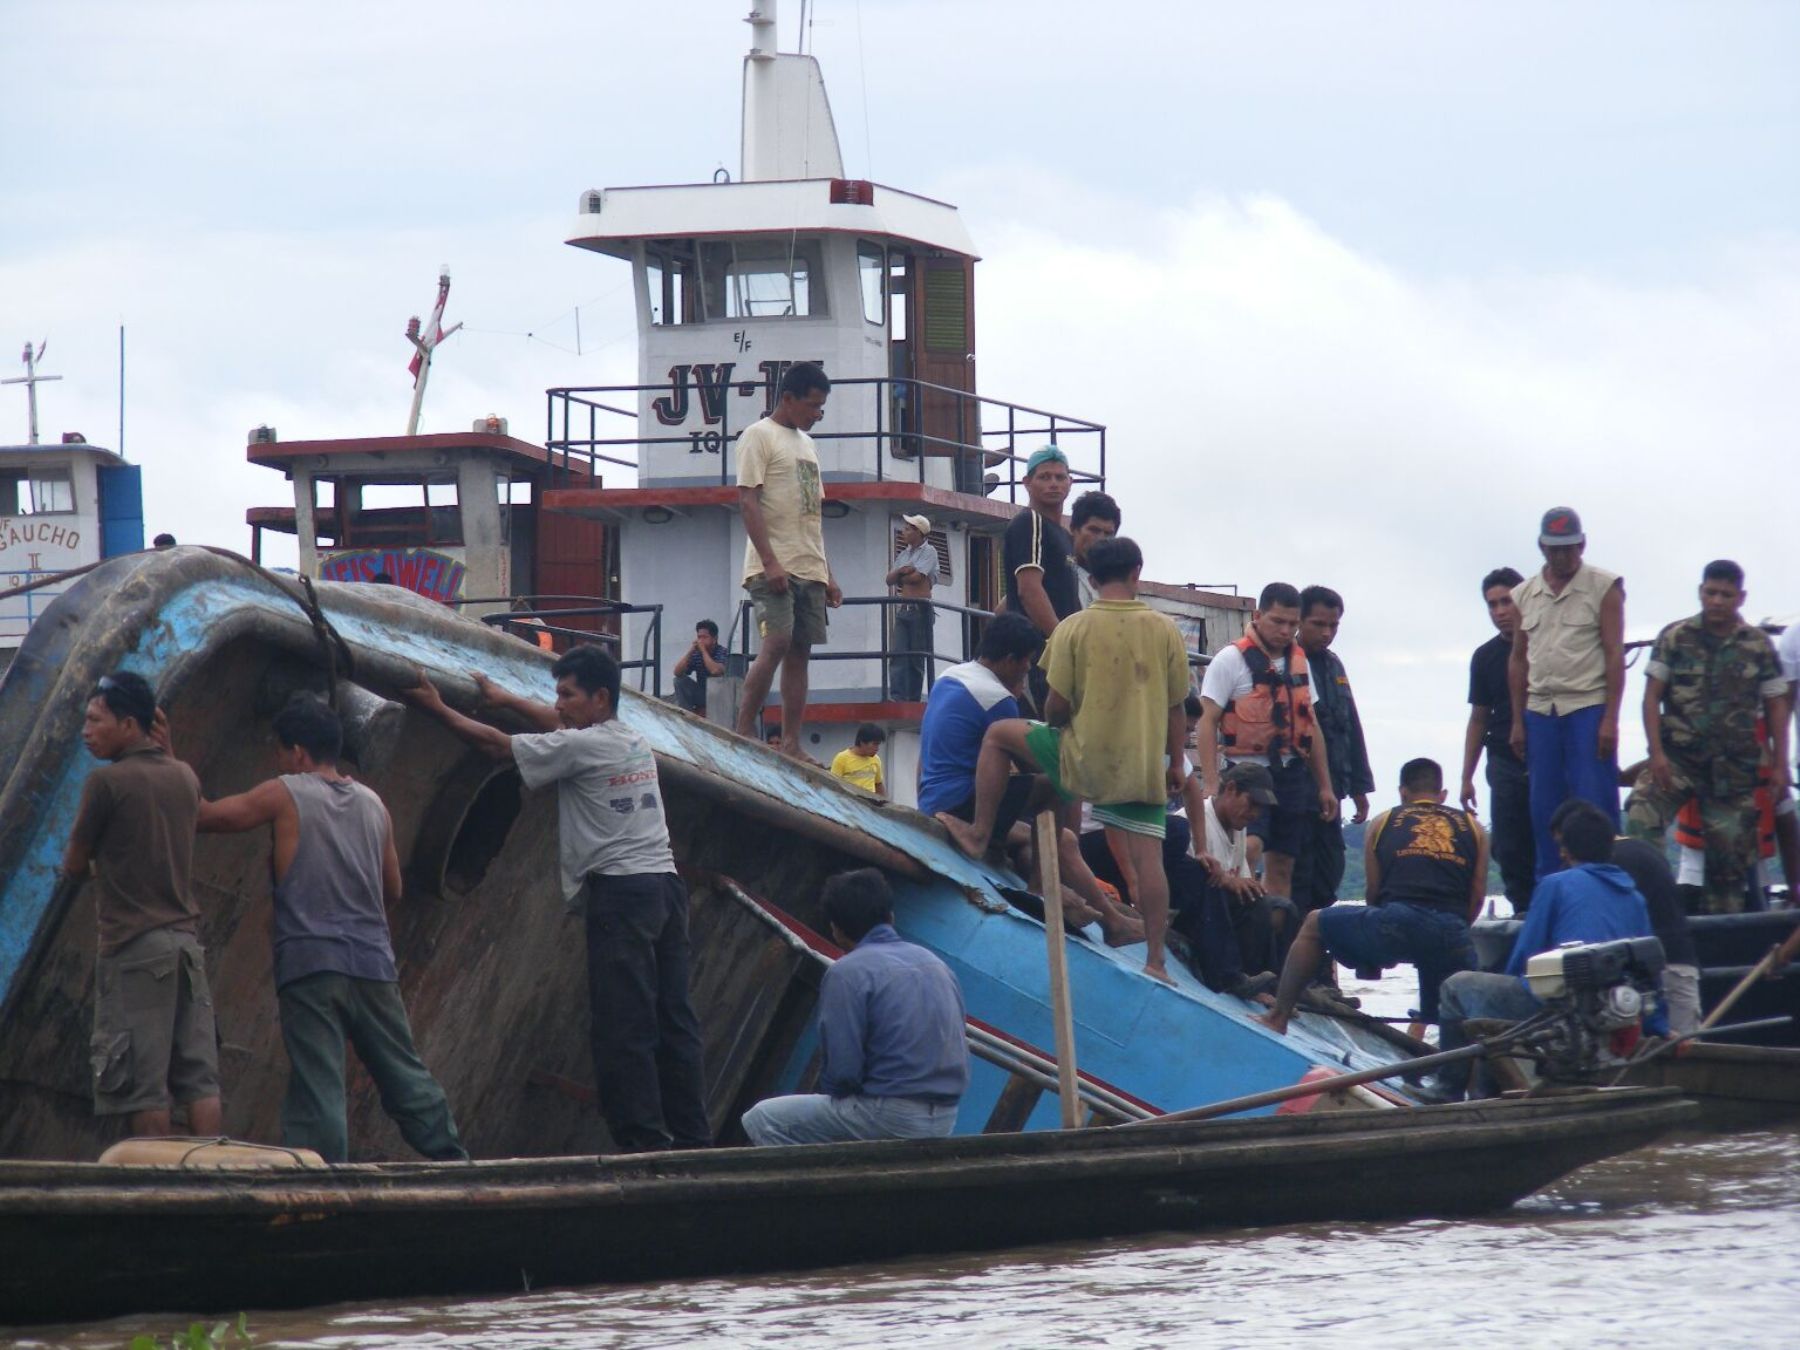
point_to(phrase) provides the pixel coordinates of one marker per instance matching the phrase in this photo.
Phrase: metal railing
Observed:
(887, 654)
(528, 622)
(902, 407)
(18, 612)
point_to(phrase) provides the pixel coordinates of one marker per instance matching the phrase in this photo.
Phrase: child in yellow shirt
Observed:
(861, 764)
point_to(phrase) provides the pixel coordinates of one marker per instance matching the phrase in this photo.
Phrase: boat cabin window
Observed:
(871, 271)
(387, 510)
(670, 276)
(757, 279)
(37, 492)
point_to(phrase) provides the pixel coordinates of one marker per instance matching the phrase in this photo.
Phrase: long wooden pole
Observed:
(1050, 877)
(1776, 957)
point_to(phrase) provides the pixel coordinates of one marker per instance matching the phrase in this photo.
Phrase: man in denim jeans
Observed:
(1590, 900)
(894, 1062)
(1427, 875)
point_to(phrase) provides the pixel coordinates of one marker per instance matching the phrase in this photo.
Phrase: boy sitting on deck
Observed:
(1114, 733)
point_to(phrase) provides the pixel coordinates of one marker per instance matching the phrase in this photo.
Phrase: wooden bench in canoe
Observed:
(88, 1241)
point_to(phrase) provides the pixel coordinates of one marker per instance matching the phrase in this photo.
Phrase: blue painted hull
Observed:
(215, 635)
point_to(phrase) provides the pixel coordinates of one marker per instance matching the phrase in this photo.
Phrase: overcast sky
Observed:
(1359, 289)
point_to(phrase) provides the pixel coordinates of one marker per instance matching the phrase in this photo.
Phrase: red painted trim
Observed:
(825, 947)
(838, 713)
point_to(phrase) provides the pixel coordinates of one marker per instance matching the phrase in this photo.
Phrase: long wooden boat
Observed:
(85, 1240)
(491, 968)
(1735, 1086)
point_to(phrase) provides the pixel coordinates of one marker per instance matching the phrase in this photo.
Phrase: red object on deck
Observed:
(1299, 1106)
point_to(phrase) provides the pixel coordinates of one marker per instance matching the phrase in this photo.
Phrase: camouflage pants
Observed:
(1728, 821)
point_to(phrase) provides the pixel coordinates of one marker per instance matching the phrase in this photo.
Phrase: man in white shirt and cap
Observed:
(914, 573)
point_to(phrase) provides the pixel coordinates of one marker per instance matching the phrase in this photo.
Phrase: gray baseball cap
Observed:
(1253, 780)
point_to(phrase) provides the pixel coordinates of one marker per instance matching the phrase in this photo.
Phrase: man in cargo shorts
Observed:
(154, 1044)
(785, 572)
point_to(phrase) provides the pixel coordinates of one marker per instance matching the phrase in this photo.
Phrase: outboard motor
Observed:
(1601, 992)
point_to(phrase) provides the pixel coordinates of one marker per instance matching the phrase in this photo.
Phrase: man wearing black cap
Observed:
(1264, 924)
(1567, 677)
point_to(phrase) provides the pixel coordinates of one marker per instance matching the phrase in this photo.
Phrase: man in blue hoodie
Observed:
(1592, 901)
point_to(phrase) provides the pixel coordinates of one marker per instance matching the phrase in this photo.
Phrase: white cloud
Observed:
(1280, 406)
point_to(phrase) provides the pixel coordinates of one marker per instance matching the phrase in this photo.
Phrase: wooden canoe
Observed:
(87, 1241)
(1736, 1086)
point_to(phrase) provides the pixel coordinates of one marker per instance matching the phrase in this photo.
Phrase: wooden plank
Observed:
(1018, 1099)
(1055, 939)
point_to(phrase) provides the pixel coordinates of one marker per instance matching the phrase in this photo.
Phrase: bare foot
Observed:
(1159, 972)
(1267, 1000)
(1122, 932)
(794, 752)
(1274, 1021)
(963, 834)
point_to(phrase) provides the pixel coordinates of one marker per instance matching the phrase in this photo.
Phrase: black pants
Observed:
(646, 1039)
(1319, 865)
(1509, 807)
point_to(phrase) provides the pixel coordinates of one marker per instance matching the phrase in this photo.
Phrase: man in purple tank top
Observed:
(335, 871)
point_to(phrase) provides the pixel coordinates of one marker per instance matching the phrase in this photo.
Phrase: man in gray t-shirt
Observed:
(618, 870)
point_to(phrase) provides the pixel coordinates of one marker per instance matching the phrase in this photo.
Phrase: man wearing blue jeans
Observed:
(894, 1062)
(1593, 901)
(1567, 677)
(1426, 865)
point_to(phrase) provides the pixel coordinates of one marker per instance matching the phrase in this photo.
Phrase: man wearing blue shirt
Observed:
(965, 701)
(894, 1062)
(1592, 901)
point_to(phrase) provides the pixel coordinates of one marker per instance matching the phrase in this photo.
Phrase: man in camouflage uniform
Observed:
(1709, 678)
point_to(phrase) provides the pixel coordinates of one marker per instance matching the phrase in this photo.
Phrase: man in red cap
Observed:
(1567, 677)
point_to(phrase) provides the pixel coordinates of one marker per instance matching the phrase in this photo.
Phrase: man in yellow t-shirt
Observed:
(779, 495)
(1115, 732)
(861, 764)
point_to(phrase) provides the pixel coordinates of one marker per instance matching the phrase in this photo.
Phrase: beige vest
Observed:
(1567, 665)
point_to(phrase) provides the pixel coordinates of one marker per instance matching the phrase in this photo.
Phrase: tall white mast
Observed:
(31, 380)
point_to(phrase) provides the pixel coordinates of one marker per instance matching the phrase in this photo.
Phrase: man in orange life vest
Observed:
(1256, 703)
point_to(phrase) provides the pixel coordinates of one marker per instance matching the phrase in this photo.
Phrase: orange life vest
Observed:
(1276, 715)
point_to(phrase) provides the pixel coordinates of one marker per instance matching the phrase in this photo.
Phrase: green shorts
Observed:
(154, 1038)
(1044, 744)
(799, 611)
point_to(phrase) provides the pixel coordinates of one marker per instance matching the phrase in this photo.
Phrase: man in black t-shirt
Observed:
(1490, 726)
(1037, 554)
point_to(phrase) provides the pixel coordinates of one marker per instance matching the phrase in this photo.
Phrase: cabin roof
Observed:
(52, 449)
(282, 454)
(691, 210)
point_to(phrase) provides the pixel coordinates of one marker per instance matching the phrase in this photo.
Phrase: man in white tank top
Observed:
(335, 870)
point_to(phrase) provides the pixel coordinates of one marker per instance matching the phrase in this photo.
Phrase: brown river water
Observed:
(1695, 1242)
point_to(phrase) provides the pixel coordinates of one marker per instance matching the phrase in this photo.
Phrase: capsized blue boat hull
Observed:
(492, 969)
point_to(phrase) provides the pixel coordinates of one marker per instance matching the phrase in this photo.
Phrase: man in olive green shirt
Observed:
(1114, 736)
